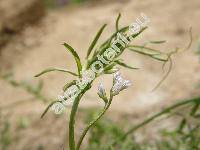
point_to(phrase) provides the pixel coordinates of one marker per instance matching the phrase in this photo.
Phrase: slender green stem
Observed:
(148, 120)
(93, 123)
(72, 122)
(72, 117)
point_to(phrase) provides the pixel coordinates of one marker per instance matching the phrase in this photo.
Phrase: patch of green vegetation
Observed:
(23, 122)
(186, 136)
(35, 90)
(5, 138)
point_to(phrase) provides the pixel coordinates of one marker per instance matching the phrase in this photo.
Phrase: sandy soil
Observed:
(39, 47)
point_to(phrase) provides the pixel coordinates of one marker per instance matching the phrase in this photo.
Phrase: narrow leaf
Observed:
(124, 65)
(95, 40)
(149, 52)
(48, 107)
(108, 41)
(182, 125)
(134, 35)
(194, 110)
(68, 85)
(111, 71)
(54, 69)
(117, 22)
(76, 57)
(110, 66)
(167, 73)
(157, 42)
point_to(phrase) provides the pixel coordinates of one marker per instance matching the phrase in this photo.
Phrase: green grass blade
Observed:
(54, 69)
(76, 57)
(95, 40)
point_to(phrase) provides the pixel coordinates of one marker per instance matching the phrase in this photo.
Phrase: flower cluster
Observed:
(119, 84)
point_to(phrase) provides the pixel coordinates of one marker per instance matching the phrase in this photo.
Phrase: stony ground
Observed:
(39, 47)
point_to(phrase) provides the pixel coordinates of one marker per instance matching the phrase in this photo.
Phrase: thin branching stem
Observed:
(93, 123)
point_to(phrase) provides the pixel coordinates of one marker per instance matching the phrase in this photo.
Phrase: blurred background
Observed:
(31, 37)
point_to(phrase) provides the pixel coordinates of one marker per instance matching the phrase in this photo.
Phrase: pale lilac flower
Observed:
(101, 91)
(117, 77)
(119, 84)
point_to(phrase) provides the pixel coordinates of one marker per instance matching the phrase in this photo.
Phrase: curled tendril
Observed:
(170, 60)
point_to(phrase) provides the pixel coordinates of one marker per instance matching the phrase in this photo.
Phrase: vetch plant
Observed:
(96, 66)
(101, 60)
